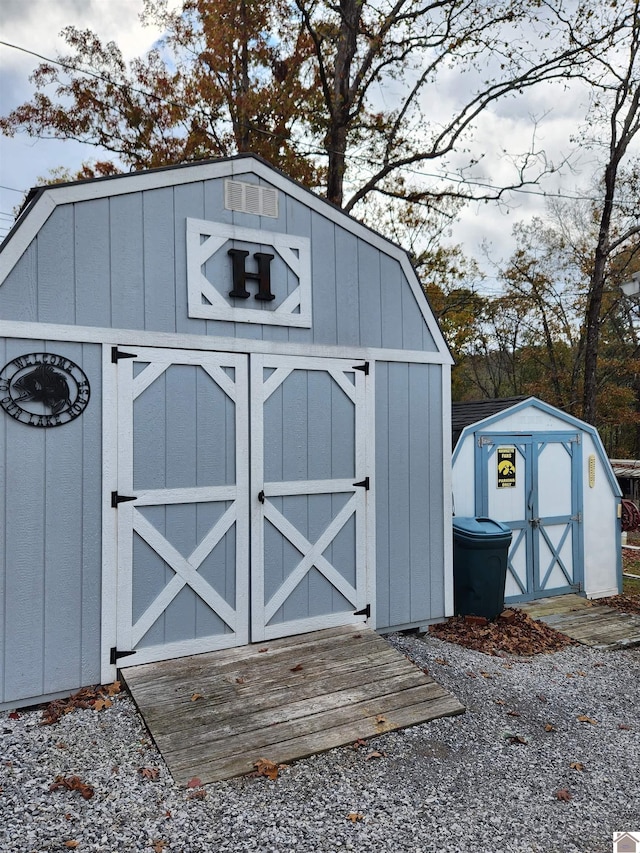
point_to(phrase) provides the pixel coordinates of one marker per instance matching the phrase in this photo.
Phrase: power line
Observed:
(310, 149)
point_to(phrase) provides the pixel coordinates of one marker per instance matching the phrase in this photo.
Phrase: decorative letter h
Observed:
(240, 275)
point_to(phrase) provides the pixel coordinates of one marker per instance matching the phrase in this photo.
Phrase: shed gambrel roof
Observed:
(514, 405)
(42, 202)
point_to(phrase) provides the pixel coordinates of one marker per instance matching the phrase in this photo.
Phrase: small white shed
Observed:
(545, 474)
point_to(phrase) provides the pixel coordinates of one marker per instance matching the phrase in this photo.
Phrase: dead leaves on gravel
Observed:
(513, 633)
(98, 698)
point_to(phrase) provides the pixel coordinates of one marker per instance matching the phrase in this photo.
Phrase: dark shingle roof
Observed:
(471, 411)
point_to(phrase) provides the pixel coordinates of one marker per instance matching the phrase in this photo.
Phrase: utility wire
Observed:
(310, 149)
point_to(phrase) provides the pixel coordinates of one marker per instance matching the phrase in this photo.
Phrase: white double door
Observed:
(241, 498)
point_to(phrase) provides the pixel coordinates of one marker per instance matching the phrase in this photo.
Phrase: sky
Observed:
(36, 26)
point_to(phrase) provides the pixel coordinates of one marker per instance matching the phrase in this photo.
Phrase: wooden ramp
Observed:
(586, 621)
(213, 715)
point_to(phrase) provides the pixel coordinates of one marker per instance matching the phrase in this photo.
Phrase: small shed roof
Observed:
(471, 411)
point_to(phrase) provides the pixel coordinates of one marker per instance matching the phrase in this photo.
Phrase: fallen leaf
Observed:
(381, 720)
(514, 739)
(200, 794)
(240, 680)
(541, 698)
(485, 674)
(158, 845)
(375, 754)
(356, 636)
(358, 743)
(624, 727)
(149, 772)
(194, 783)
(442, 662)
(267, 768)
(72, 783)
(577, 765)
(471, 674)
(550, 728)
(296, 668)
(584, 719)
(71, 844)
(260, 651)
(569, 675)
(583, 674)
(196, 696)
(101, 704)
(114, 688)
(61, 745)
(14, 715)
(476, 620)
(563, 794)
(499, 701)
(354, 817)
(513, 713)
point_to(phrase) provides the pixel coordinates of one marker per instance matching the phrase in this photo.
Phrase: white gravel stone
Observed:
(456, 784)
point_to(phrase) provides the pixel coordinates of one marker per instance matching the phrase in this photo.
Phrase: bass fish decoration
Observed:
(43, 389)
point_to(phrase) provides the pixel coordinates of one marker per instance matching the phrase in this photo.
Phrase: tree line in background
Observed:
(374, 104)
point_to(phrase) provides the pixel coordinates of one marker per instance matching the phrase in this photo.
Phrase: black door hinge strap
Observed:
(117, 354)
(363, 483)
(366, 611)
(120, 499)
(115, 655)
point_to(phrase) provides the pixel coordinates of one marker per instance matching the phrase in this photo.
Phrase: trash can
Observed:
(480, 553)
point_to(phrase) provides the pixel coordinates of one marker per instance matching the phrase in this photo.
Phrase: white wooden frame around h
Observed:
(294, 310)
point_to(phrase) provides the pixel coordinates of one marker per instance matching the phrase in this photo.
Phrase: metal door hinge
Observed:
(577, 517)
(115, 655)
(366, 611)
(363, 483)
(117, 354)
(363, 367)
(119, 499)
(261, 496)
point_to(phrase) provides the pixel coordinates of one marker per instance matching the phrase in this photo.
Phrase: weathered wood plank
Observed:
(168, 718)
(300, 747)
(222, 723)
(305, 694)
(587, 622)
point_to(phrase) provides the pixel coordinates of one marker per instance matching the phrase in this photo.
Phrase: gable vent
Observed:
(250, 198)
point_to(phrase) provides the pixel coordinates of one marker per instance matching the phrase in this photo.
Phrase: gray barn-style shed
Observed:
(225, 418)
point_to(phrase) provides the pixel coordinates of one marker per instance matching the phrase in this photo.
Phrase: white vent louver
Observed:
(250, 198)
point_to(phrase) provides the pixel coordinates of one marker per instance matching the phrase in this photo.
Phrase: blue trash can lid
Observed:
(483, 528)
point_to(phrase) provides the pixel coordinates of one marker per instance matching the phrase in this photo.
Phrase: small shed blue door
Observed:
(533, 484)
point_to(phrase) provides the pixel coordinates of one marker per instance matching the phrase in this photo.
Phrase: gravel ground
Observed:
(455, 785)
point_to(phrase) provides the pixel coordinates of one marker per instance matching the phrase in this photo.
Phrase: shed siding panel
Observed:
(56, 280)
(52, 553)
(369, 307)
(325, 293)
(127, 269)
(409, 496)
(93, 264)
(159, 263)
(188, 201)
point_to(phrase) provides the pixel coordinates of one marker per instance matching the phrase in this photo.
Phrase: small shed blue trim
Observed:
(561, 499)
